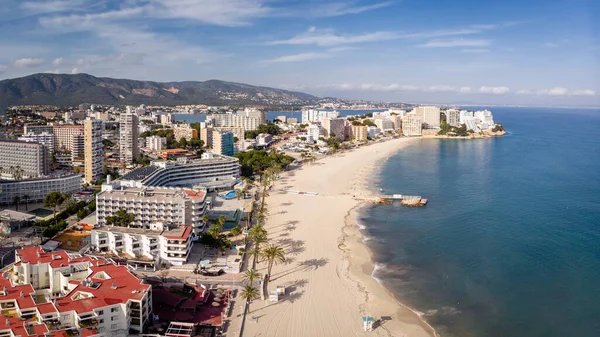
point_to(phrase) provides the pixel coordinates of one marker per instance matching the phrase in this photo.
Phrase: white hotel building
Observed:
(150, 205)
(61, 294)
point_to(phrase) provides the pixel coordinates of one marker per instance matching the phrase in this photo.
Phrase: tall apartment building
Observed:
(206, 135)
(359, 133)
(412, 124)
(61, 294)
(184, 132)
(313, 133)
(150, 205)
(78, 147)
(258, 113)
(93, 152)
(166, 119)
(171, 245)
(128, 137)
(44, 138)
(335, 127)
(248, 123)
(430, 115)
(223, 142)
(313, 116)
(37, 129)
(453, 117)
(63, 136)
(30, 157)
(397, 120)
(156, 143)
(238, 132)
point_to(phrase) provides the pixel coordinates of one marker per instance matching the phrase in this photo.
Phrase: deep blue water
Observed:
(509, 244)
(271, 115)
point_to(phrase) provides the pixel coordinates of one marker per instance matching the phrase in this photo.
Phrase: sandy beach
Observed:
(328, 269)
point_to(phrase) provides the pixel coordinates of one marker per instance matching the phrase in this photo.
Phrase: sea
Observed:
(509, 244)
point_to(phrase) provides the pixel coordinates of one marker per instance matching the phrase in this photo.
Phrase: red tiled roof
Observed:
(196, 195)
(46, 308)
(35, 255)
(184, 236)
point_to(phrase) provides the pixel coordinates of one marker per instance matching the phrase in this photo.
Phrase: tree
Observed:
(249, 294)
(16, 201)
(54, 200)
(254, 253)
(205, 219)
(237, 230)
(26, 199)
(82, 213)
(221, 221)
(183, 142)
(250, 275)
(121, 218)
(274, 255)
(164, 274)
(214, 231)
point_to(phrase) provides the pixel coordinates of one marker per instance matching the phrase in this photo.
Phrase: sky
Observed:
(535, 52)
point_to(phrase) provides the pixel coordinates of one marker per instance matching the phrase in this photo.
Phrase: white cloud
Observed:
(28, 63)
(476, 50)
(586, 92)
(344, 8)
(556, 91)
(59, 62)
(3, 68)
(494, 90)
(298, 57)
(75, 70)
(456, 43)
(525, 92)
(52, 71)
(328, 37)
(39, 7)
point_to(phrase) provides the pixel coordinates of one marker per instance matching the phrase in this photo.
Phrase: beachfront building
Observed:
(359, 133)
(223, 142)
(317, 116)
(335, 127)
(63, 136)
(37, 189)
(373, 132)
(128, 138)
(430, 116)
(412, 124)
(156, 143)
(212, 171)
(93, 152)
(149, 205)
(184, 131)
(21, 159)
(485, 119)
(453, 117)
(313, 133)
(37, 129)
(464, 115)
(61, 294)
(157, 242)
(384, 124)
(247, 122)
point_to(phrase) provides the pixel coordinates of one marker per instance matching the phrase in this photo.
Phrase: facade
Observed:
(397, 120)
(63, 136)
(36, 129)
(464, 115)
(359, 133)
(158, 242)
(128, 137)
(44, 138)
(335, 127)
(313, 116)
(412, 124)
(166, 119)
(264, 139)
(256, 113)
(31, 158)
(211, 172)
(184, 132)
(430, 115)
(313, 133)
(150, 205)
(453, 117)
(248, 123)
(156, 143)
(486, 119)
(223, 142)
(283, 119)
(93, 152)
(240, 133)
(206, 136)
(373, 132)
(57, 294)
(78, 147)
(37, 189)
(385, 124)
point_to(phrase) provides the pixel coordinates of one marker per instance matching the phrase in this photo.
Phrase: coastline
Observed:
(328, 272)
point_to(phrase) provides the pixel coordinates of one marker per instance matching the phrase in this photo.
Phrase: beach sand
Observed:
(328, 269)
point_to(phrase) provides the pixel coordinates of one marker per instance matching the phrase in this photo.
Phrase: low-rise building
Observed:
(61, 294)
(170, 245)
(184, 131)
(156, 143)
(37, 189)
(264, 139)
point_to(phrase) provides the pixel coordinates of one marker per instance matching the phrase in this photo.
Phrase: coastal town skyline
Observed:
(485, 54)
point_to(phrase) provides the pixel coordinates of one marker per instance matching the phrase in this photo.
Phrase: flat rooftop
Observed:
(11, 215)
(178, 233)
(156, 193)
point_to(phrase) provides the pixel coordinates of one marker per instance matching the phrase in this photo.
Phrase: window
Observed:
(114, 318)
(114, 326)
(100, 312)
(113, 309)
(101, 321)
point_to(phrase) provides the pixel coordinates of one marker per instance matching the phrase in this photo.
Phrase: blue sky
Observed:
(463, 51)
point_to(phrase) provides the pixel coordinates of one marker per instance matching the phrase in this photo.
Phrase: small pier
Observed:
(407, 200)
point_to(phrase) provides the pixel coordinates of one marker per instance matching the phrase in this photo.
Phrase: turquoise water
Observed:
(509, 244)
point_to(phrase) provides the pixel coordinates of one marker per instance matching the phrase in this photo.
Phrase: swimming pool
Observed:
(229, 195)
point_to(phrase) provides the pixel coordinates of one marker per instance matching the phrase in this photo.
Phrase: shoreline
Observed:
(328, 272)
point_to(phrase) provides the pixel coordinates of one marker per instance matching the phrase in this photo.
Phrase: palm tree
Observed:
(205, 219)
(250, 275)
(255, 253)
(214, 231)
(249, 293)
(237, 230)
(26, 199)
(221, 221)
(16, 201)
(54, 200)
(274, 255)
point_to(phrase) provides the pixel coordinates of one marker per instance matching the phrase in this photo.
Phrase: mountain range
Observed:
(71, 90)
